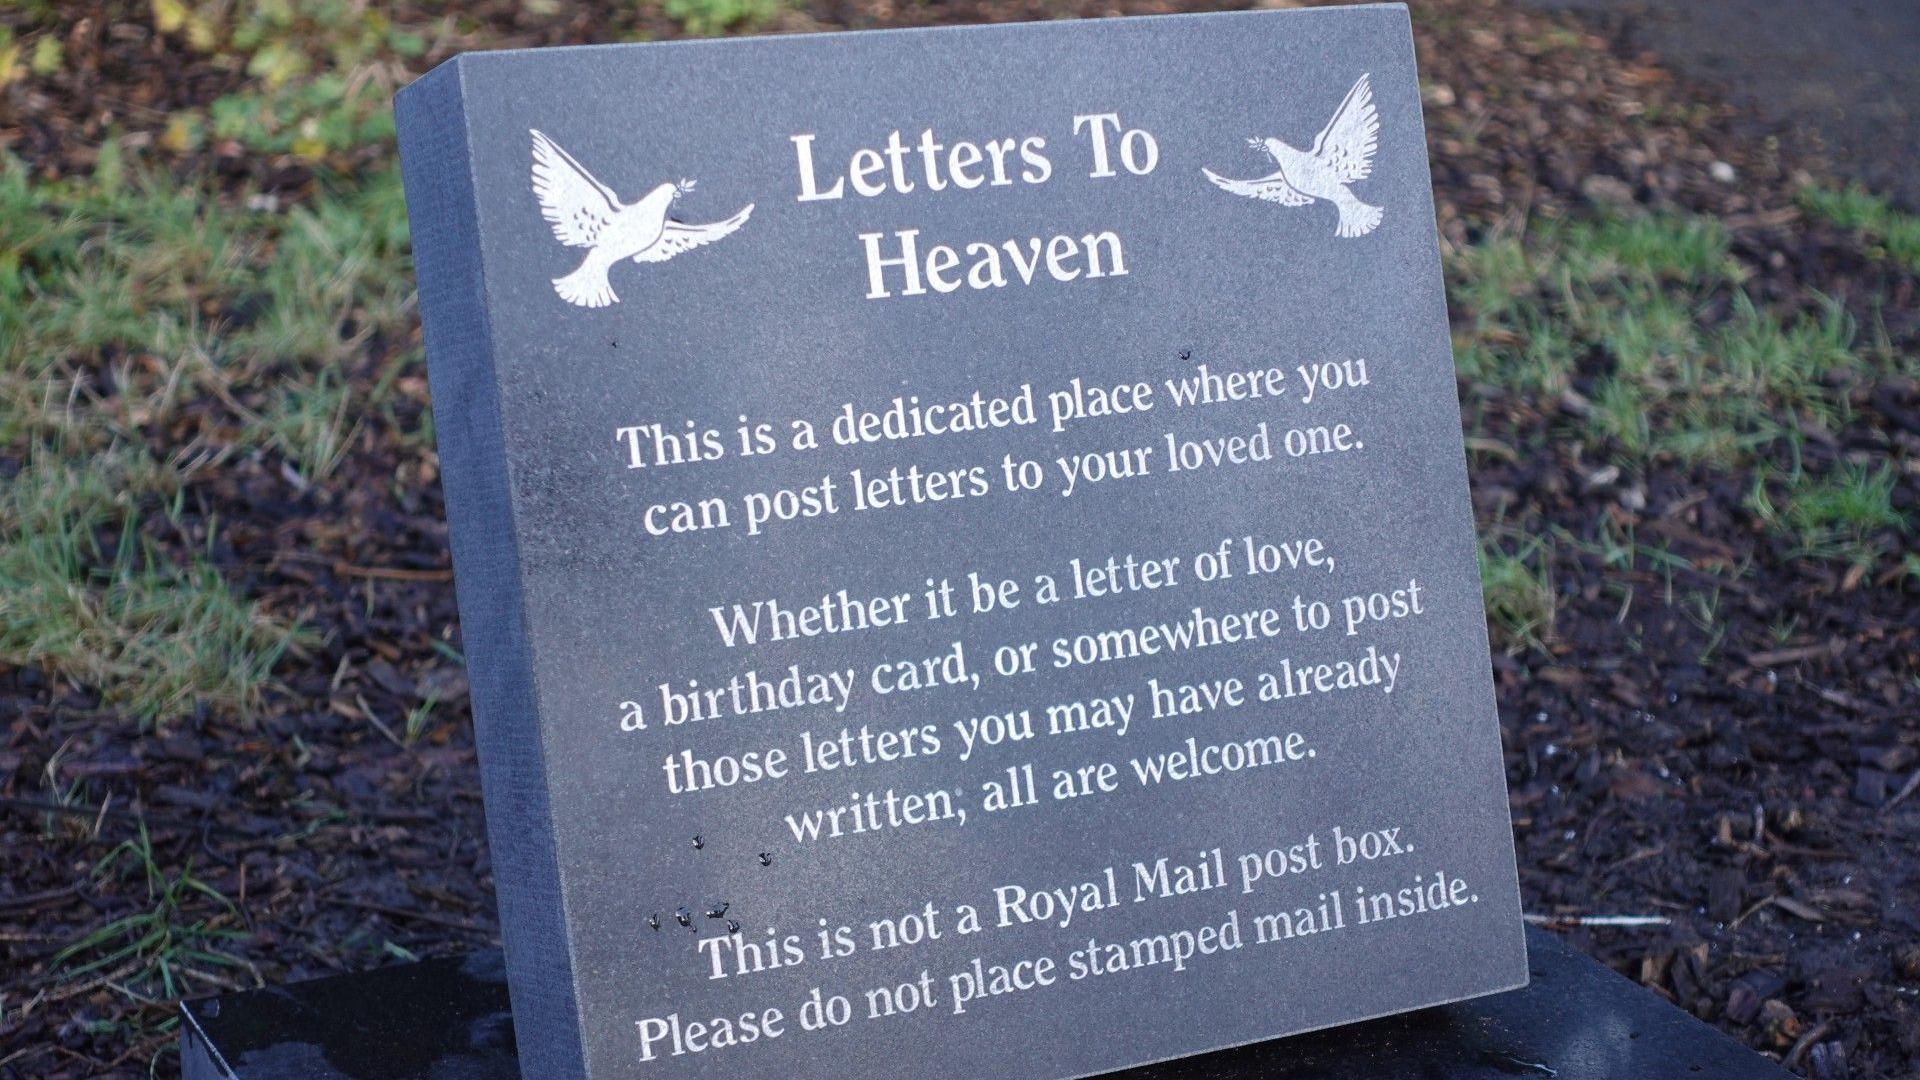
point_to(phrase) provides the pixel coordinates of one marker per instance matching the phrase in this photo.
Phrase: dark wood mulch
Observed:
(1763, 800)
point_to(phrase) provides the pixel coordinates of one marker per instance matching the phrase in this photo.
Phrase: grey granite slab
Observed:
(633, 257)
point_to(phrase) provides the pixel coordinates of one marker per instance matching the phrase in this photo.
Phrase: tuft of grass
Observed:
(1634, 336)
(1793, 364)
(162, 946)
(1651, 333)
(118, 266)
(419, 719)
(1515, 576)
(1648, 250)
(1492, 281)
(312, 424)
(710, 18)
(1628, 286)
(85, 593)
(1895, 234)
(1636, 341)
(337, 275)
(133, 309)
(1703, 609)
(1837, 515)
(1620, 413)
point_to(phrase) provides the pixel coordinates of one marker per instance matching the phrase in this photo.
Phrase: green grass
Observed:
(1896, 235)
(1517, 581)
(107, 265)
(86, 593)
(710, 18)
(420, 719)
(1643, 250)
(146, 328)
(1837, 515)
(154, 329)
(1628, 288)
(1638, 335)
(160, 948)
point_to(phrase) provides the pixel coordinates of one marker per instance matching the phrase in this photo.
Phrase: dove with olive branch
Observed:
(1341, 154)
(585, 213)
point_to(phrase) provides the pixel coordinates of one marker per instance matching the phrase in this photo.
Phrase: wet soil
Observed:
(1840, 74)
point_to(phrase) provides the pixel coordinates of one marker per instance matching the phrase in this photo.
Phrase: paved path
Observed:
(1846, 70)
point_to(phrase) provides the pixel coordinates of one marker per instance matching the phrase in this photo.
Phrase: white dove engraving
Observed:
(1342, 154)
(585, 213)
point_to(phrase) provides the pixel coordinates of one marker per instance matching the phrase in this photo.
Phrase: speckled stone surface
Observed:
(591, 381)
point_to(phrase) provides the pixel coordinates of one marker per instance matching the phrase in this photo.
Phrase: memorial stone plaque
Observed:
(962, 544)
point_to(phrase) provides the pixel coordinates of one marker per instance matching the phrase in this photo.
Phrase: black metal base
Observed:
(448, 1020)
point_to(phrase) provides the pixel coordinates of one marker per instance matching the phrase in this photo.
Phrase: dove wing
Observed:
(1347, 143)
(1272, 188)
(573, 202)
(678, 236)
